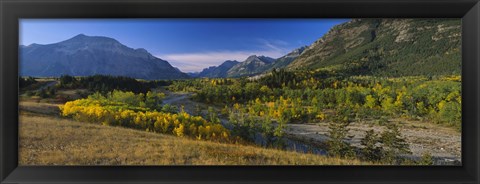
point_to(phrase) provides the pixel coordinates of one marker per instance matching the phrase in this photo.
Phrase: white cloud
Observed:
(278, 45)
(195, 62)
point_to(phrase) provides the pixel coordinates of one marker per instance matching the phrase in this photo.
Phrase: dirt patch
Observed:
(184, 100)
(40, 108)
(72, 94)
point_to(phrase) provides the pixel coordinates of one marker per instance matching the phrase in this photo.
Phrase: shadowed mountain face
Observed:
(219, 71)
(89, 55)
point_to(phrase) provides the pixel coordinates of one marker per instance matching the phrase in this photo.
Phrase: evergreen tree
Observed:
(371, 150)
(337, 147)
(393, 144)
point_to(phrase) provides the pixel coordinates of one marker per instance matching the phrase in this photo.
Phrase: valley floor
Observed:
(47, 139)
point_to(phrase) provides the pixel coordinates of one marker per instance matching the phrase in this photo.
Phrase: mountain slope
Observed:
(219, 71)
(50, 140)
(89, 55)
(284, 61)
(387, 47)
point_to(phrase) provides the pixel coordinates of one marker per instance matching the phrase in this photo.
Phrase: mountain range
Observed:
(89, 55)
(253, 65)
(379, 47)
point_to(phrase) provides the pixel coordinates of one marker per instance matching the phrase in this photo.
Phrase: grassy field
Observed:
(49, 140)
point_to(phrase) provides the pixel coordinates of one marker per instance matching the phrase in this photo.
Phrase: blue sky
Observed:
(189, 44)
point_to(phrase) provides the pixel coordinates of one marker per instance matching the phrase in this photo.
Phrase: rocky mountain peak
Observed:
(84, 55)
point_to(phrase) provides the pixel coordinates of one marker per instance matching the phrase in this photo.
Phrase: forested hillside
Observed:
(387, 47)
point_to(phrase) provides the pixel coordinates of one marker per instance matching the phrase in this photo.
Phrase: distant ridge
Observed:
(219, 71)
(89, 55)
(253, 65)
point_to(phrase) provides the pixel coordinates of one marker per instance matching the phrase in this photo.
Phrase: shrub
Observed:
(99, 109)
(25, 82)
(426, 159)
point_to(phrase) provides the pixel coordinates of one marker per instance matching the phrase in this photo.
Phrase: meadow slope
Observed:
(49, 140)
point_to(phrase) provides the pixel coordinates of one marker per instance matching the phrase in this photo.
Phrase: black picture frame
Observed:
(13, 10)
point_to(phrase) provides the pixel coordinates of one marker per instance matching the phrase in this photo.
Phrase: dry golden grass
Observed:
(49, 140)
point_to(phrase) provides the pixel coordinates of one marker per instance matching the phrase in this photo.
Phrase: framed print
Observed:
(239, 91)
